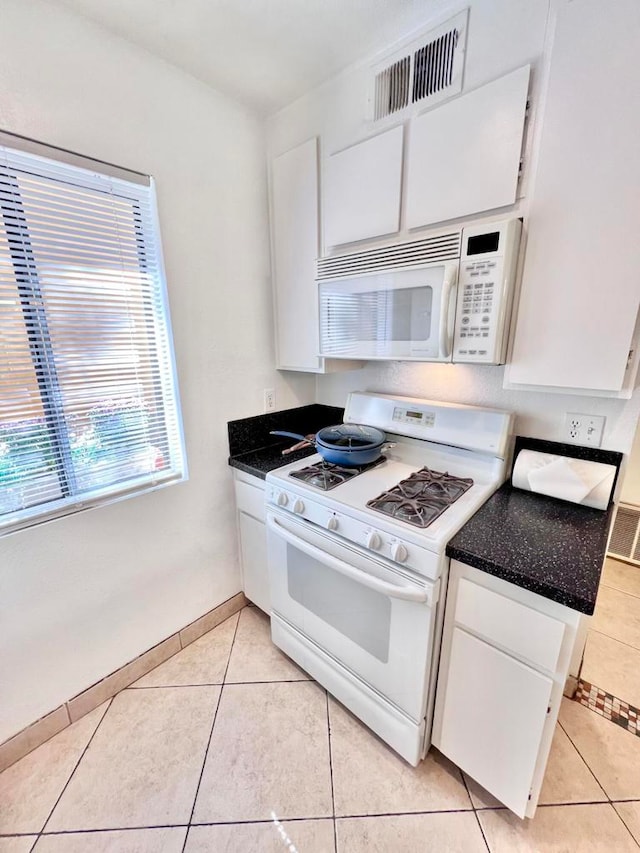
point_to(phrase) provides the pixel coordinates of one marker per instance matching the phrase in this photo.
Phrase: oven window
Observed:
(357, 612)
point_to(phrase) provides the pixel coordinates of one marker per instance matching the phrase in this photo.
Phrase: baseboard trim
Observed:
(40, 731)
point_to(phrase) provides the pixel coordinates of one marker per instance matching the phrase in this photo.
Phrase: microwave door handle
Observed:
(446, 331)
(406, 593)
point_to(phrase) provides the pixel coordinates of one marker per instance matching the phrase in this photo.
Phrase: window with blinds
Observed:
(89, 408)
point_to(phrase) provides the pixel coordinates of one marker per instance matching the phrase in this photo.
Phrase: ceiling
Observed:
(264, 53)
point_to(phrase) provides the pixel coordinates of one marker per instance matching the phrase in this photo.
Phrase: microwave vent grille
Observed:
(430, 250)
(425, 70)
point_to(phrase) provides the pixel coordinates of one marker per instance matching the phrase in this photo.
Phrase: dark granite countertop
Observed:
(542, 544)
(549, 546)
(253, 450)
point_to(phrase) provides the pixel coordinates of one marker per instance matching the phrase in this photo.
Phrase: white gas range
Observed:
(357, 563)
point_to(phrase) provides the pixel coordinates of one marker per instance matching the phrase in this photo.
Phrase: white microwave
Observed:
(441, 298)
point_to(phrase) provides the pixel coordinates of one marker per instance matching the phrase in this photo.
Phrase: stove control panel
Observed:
(373, 539)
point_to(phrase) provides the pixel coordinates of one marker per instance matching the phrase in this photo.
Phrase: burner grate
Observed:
(422, 497)
(326, 475)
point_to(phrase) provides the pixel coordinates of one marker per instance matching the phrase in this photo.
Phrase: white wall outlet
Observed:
(269, 399)
(584, 429)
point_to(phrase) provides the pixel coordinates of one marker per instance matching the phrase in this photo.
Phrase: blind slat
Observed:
(88, 397)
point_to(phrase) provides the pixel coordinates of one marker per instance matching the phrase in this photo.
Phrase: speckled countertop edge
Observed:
(553, 548)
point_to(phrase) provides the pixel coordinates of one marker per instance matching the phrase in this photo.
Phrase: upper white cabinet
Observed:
(294, 217)
(361, 190)
(464, 157)
(580, 289)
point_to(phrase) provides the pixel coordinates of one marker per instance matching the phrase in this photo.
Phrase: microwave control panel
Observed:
(486, 283)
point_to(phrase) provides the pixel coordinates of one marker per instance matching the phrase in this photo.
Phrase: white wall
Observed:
(503, 35)
(631, 485)
(81, 596)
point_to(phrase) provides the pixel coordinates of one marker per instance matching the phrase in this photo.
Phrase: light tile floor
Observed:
(612, 653)
(202, 753)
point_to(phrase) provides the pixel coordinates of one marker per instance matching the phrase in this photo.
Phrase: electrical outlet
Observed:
(269, 399)
(584, 429)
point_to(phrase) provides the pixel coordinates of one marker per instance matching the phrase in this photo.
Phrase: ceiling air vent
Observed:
(392, 88)
(625, 536)
(423, 71)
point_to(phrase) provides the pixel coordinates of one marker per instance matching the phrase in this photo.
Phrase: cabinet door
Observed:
(294, 208)
(361, 190)
(253, 548)
(493, 716)
(580, 291)
(464, 157)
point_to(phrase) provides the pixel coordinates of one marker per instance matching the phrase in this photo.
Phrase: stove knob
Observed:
(282, 499)
(332, 523)
(399, 553)
(298, 506)
(373, 541)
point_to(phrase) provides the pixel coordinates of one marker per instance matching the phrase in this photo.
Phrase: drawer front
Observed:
(515, 627)
(250, 499)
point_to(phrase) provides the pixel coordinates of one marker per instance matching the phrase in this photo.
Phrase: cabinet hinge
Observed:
(548, 709)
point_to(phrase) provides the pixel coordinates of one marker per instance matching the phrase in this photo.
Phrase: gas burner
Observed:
(422, 497)
(326, 476)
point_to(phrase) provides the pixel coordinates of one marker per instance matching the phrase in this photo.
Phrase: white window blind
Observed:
(89, 408)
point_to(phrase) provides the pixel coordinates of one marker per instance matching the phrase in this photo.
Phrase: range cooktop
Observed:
(326, 475)
(422, 497)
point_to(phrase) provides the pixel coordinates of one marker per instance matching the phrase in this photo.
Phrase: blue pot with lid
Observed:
(349, 445)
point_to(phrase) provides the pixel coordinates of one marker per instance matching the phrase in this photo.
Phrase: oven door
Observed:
(407, 314)
(373, 618)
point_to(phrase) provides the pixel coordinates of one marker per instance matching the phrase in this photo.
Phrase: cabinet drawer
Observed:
(250, 499)
(513, 626)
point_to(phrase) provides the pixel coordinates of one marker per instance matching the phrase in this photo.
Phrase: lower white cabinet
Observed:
(500, 683)
(253, 538)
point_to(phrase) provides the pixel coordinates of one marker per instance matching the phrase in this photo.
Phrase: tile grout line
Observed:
(624, 823)
(616, 639)
(475, 811)
(333, 798)
(215, 716)
(219, 683)
(585, 762)
(77, 764)
(268, 821)
(624, 591)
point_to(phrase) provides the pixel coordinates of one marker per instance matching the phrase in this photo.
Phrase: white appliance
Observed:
(357, 595)
(446, 297)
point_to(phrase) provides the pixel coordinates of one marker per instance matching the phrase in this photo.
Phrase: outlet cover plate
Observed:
(584, 429)
(269, 399)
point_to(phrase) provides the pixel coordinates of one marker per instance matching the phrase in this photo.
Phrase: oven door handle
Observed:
(406, 593)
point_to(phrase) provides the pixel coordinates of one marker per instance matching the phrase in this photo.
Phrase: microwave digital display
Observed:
(482, 243)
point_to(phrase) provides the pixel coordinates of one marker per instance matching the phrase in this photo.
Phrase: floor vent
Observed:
(625, 536)
(424, 71)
